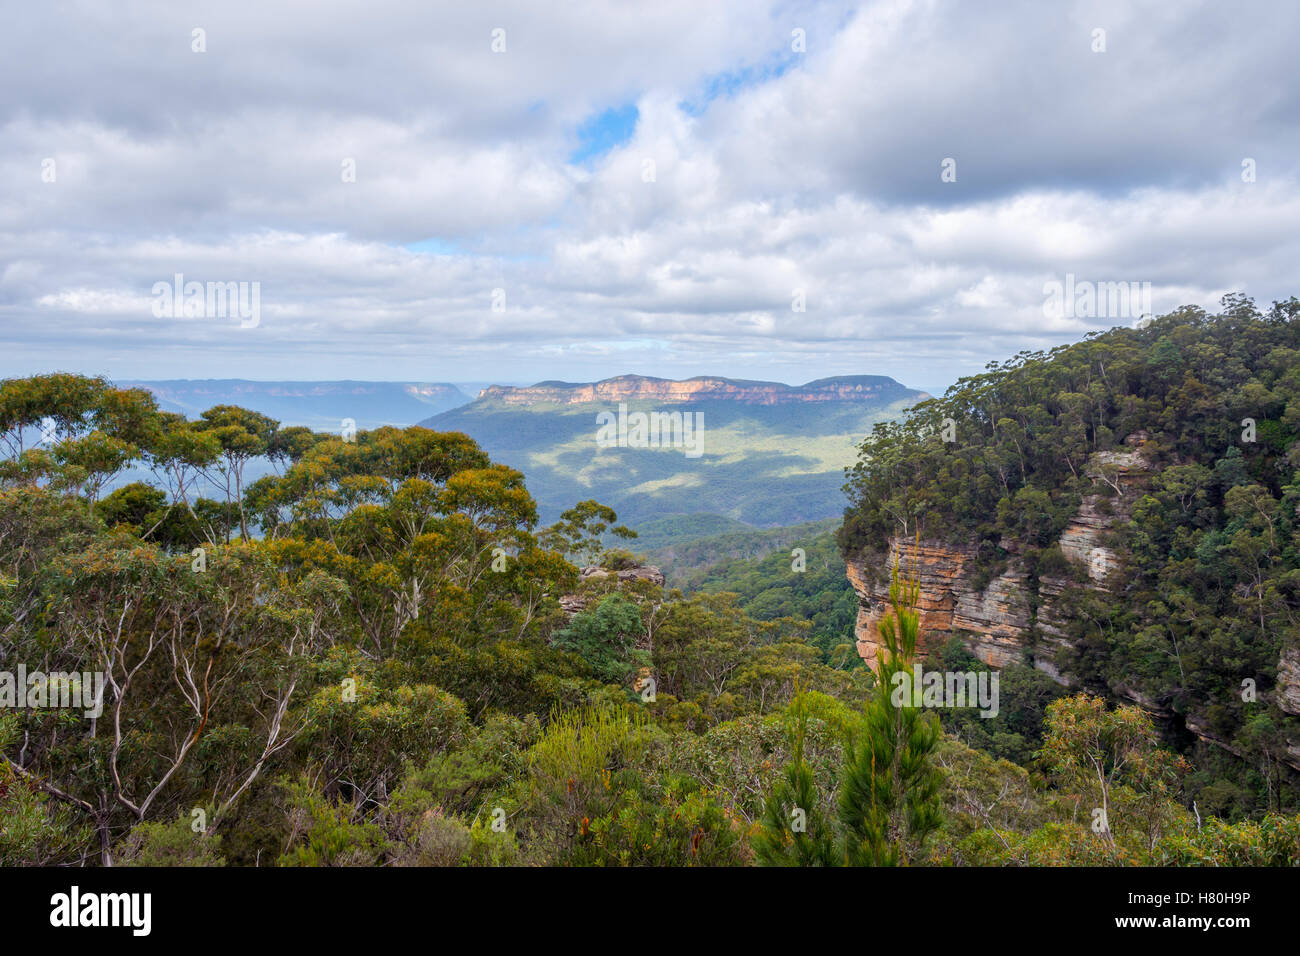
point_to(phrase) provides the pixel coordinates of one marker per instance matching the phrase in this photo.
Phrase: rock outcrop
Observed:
(571, 604)
(1288, 681)
(1082, 540)
(637, 573)
(994, 621)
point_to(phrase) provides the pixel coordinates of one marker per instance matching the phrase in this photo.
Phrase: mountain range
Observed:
(767, 454)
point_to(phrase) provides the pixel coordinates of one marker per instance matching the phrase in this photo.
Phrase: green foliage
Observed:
(581, 529)
(606, 637)
(741, 760)
(888, 799)
(688, 547)
(1271, 841)
(462, 779)
(34, 829)
(712, 662)
(438, 840)
(1111, 761)
(889, 802)
(572, 772)
(1016, 732)
(368, 662)
(324, 832)
(170, 844)
(794, 831)
(363, 734)
(769, 588)
(987, 803)
(670, 822)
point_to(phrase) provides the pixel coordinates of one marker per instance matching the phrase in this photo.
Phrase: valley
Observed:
(771, 454)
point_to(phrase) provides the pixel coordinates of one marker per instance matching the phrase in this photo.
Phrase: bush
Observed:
(169, 844)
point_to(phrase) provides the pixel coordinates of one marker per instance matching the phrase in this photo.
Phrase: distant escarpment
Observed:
(876, 389)
(1122, 514)
(758, 454)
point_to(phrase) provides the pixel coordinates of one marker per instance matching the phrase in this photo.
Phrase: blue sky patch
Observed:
(605, 131)
(730, 82)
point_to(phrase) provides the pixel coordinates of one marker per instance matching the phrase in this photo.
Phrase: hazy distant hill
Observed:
(318, 405)
(771, 454)
(675, 530)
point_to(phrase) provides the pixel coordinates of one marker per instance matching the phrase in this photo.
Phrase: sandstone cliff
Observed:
(994, 622)
(1288, 681)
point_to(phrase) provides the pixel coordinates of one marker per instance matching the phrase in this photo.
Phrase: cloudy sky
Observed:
(520, 191)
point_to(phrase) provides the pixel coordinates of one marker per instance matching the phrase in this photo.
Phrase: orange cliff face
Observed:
(627, 388)
(995, 621)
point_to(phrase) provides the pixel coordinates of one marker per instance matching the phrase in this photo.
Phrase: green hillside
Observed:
(673, 531)
(684, 556)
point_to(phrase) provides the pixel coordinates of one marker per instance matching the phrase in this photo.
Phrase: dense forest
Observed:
(377, 655)
(805, 582)
(686, 556)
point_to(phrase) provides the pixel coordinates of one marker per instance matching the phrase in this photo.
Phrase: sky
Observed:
(514, 192)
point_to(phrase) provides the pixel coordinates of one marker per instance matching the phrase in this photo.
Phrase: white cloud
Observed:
(1122, 166)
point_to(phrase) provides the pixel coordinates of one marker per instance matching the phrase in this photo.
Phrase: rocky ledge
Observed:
(571, 604)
